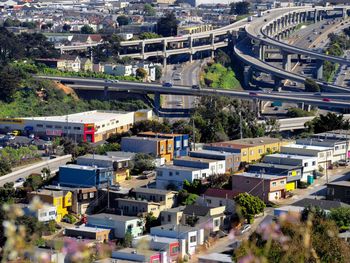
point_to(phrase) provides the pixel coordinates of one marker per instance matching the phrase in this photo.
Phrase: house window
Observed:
(274, 149)
(159, 173)
(220, 166)
(43, 214)
(204, 175)
(48, 126)
(336, 148)
(273, 183)
(244, 153)
(217, 222)
(177, 173)
(170, 173)
(347, 193)
(39, 125)
(220, 203)
(193, 239)
(313, 163)
(162, 218)
(281, 182)
(174, 250)
(169, 218)
(306, 164)
(251, 152)
(52, 213)
(76, 128)
(260, 151)
(208, 201)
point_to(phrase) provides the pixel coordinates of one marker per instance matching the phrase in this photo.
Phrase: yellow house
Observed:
(60, 199)
(250, 149)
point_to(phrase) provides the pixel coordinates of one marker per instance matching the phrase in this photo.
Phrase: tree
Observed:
(86, 29)
(148, 35)
(186, 198)
(311, 85)
(167, 25)
(141, 73)
(108, 147)
(218, 180)
(9, 83)
(150, 125)
(249, 205)
(158, 72)
(34, 181)
(195, 187)
(240, 8)
(151, 221)
(5, 167)
(127, 241)
(149, 10)
(341, 216)
(330, 121)
(123, 20)
(143, 162)
(66, 27)
(222, 58)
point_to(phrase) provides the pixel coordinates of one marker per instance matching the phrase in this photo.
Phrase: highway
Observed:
(52, 164)
(100, 84)
(256, 30)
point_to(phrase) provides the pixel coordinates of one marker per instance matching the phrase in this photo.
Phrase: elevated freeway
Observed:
(101, 84)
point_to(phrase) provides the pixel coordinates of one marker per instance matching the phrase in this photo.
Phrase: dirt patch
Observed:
(67, 90)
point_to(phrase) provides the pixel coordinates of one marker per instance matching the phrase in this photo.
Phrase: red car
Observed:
(326, 99)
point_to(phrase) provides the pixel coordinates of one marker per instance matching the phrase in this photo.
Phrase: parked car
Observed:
(326, 99)
(253, 94)
(343, 162)
(195, 87)
(245, 228)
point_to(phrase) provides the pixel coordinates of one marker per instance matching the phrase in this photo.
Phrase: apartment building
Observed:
(158, 147)
(215, 197)
(86, 232)
(181, 144)
(215, 166)
(166, 197)
(250, 149)
(172, 216)
(266, 186)
(62, 200)
(119, 225)
(308, 163)
(120, 165)
(136, 207)
(232, 160)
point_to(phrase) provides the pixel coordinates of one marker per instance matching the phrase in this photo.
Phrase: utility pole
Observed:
(327, 166)
(193, 135)
(240, 123)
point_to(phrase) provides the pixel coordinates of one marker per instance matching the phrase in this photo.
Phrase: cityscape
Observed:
(165, 131)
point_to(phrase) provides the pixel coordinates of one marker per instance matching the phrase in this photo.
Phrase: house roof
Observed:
(275, 166)
(106, 216)
(216, 257)
(324, 204)
(221, 193)
(153, 191)
(197, 210)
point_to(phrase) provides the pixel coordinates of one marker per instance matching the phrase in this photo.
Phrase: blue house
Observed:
(85, 176)
(181, 141)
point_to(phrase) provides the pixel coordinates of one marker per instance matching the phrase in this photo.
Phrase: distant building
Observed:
(138, 207)
(158, 147)
(119, 225)
(181, 145)
(250, 149)
(215, 197)
(215, 166)
(172, 216)
(339, 191)
(267, 187)
(90, 126)
(62, 200)
(85, 176)
(166, 197)
(86, 232)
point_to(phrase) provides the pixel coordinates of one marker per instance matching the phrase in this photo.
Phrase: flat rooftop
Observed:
(276, 166)
(261, 176)
(150, 133)
(196, 159)
(88, 229)
(82, 117)
(256, 141)
(176, 228)
(152, 191)
(178, 168)
(129, 250)
(158, 239)
(212, 152)
(135, 138)
(175, 209)
(340, 183)
(46, 192)
(308, 147)
(291, 156)
(216, 257)
(104, 157)
(83, 167)
(114, 217)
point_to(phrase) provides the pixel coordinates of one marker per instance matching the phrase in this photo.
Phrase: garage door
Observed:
(290, 186)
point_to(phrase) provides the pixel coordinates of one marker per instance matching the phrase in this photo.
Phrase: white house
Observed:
(176, 175)
(118, 70)
(309, 163)
(43, 214)
(118, 224)
(193, 236)
(215, 166)
(324, 154)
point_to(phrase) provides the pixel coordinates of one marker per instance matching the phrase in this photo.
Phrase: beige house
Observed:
(133, 207)
(172, 216)
(86, 64)
(165, 197)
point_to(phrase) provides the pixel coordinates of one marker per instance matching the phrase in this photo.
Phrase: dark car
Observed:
(167, 85)
(196, 87)
(253, 94)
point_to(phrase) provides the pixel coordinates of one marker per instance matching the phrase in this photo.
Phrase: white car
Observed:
(245, 229)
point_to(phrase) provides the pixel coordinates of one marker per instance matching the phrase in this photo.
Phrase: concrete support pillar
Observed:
(142, 47)
(165, 44)
(319, 69)
(164, 60)
(307, 107)
(190, 41)
(256, 107)
(262, 49)
(274, 26)
(212, 54)
(345, 14)
(157, 101)
(277, 83)
(212, 39)
(105, 92)
(286, 61)
(247, 75)
(191, 57)
(316, 16)
(301, 105)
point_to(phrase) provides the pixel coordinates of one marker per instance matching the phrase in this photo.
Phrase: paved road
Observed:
(99, 84)
(52, 164)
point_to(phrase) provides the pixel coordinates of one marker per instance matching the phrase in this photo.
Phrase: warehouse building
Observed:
(90, 126)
